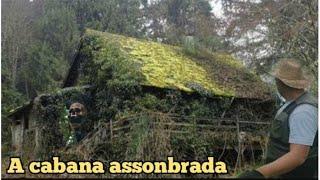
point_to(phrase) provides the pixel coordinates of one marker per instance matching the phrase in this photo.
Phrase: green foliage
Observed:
(149, 101)
(64, 124)
(139, 136)
(100, 15)
(58, 28)
(43, 69)
(115, 76)
(183, 18)
(117, 79)
(71, 95)
(50, 113)
(37, 60)
(120, 68)
(10, 99)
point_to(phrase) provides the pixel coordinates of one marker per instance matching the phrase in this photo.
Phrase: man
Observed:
(77, 119)
(293, 145)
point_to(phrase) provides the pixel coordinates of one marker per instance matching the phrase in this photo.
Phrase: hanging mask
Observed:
(77, 115)
(77, 119)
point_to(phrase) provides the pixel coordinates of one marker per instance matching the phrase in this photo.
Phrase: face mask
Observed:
(77, 119)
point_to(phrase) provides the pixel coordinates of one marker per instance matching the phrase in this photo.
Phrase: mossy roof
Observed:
(167, 66)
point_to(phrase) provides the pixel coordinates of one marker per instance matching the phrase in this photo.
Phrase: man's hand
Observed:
(286, 163)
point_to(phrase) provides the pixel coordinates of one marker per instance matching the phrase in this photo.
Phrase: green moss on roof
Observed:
(166, 66)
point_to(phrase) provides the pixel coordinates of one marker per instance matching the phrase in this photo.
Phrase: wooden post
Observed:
(238, 163)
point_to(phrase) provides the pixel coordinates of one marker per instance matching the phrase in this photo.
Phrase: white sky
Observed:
(217, 8)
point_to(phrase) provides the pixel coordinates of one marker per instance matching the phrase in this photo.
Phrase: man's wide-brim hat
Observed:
(290, 73)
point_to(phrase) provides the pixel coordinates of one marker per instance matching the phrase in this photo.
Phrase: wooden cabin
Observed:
(163, 68)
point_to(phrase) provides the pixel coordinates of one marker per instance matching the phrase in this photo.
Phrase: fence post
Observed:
(238, 162)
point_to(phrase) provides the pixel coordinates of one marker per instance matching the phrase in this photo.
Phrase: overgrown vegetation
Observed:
(138, 122)
(133, 120)
(175, 67)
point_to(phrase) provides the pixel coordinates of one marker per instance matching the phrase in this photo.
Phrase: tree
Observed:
(15, 35)
(59, 29)
(172, 21)
(43, 71)
(264, 31)
(115, 16)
